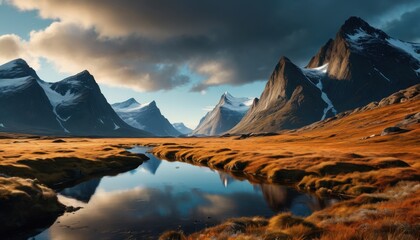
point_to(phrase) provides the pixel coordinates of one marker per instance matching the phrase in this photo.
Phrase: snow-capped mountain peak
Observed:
(235, 104)
(131, 105)
(225, 115)
(355, 28)
(180, 127)
(17, 68)
(128, 104)
(146, 116)
(412, 49)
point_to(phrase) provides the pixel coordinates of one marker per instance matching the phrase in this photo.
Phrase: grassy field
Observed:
(379, 175)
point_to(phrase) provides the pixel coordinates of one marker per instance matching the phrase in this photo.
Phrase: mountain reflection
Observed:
(147, 212)
(226, 178)
(144, 203)
(281, 198)
(151, 165)
(83, 191)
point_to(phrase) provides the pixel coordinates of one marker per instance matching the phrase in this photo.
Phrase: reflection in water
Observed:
(226, 178)
(144, 203)
(83, 191)
(281, 198)
(151, 165)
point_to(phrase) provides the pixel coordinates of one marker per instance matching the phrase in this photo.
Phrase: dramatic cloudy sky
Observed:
(184, 54)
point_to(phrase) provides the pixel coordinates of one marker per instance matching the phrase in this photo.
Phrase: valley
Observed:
(329, 150)
(337, 157)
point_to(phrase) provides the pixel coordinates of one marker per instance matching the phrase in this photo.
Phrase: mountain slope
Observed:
(145, 116)
(225, 115)
(180, 127)
(362, 64)
(365, 64)
(24, 107)
(289, 100)
(74, 106)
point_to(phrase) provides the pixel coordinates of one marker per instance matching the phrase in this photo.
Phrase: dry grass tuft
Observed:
(172, 235)
(25, 202)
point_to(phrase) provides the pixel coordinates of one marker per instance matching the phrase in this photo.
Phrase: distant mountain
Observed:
(362, 64)
(145, 116)
(180, 127)
(74, 106)
(225, 115)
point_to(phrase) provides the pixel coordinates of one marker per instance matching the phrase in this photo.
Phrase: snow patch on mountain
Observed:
(8, 66)
(318, 73)
(180, 127)
(382, 74)
(356, 38)
(61, 124)
(359, 34)
(236, 104)
(13, 84)
(410, 48)
(327, 100)
(225, 115)
(2, 125)
(130, 106)
(56, 98)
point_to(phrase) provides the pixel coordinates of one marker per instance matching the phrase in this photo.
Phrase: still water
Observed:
(161, 195)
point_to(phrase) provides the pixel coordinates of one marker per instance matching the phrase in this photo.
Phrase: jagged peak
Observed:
(18, 61)
(354, 22)
(152, 103)
(82, 77)
(284, 60)
(282, 64)
(129, 103)
(227, 94)
(356, 26)
(17, 68)
(322, 56)
(84, 73)
(131, 100)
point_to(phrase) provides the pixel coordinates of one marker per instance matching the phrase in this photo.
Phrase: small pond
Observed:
(160, 195)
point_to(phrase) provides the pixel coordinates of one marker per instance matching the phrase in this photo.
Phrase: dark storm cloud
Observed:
(407, 27)
(144, 44)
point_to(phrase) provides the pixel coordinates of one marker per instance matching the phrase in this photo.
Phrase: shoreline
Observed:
(32, 194)
(333, 157)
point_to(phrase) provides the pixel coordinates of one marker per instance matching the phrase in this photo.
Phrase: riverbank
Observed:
(352, 156)
(392, 214)
(344, 156)
(31, 167)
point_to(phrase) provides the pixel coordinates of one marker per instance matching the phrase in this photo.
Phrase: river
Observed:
(160, 195)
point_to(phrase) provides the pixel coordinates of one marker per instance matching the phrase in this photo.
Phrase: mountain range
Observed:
(145, 116)
(362, 64)
(180, 127)
(74, 106)
(225, 115)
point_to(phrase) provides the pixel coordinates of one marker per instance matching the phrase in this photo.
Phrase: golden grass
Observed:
(335, 157)
(26, 202)
(392, 214)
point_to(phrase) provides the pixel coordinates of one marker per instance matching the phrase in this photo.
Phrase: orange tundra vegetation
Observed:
(345, 156)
